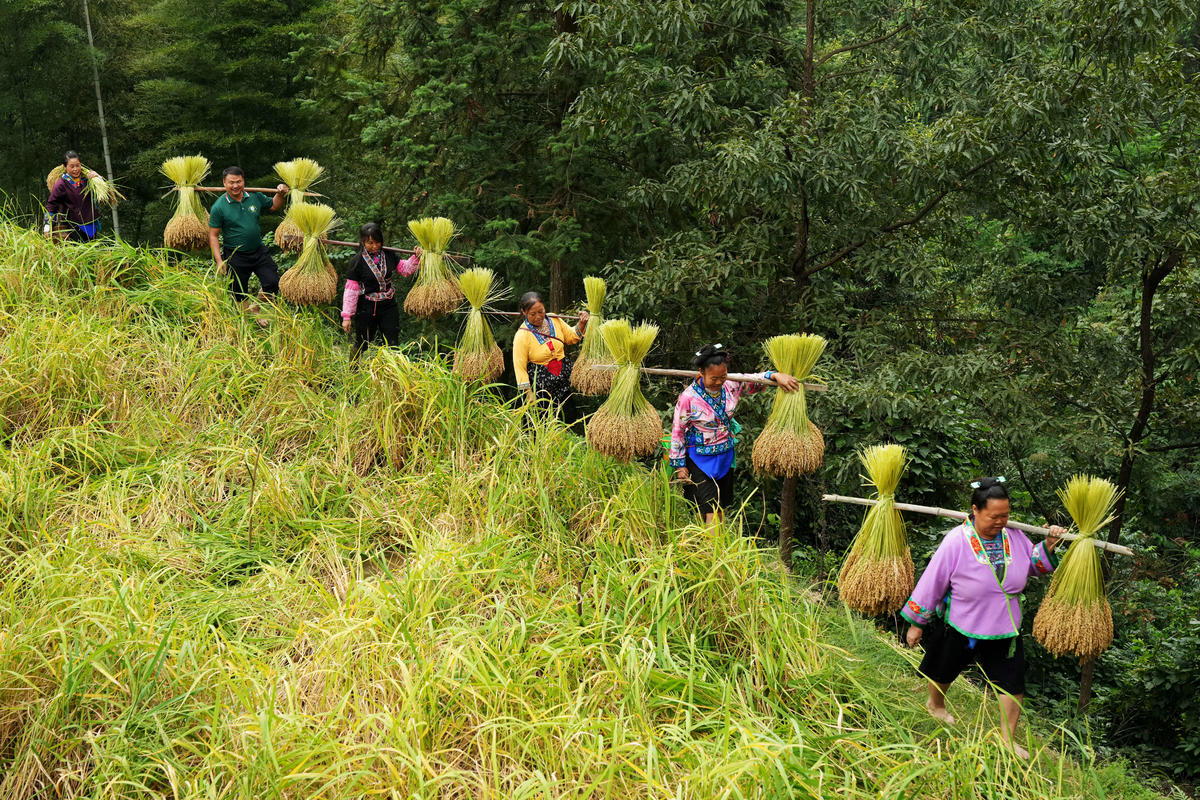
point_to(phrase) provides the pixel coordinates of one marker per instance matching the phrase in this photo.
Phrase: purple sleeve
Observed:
(933, 586)
(58, 202)
(678, 452)
(1044, 562)
(350, 299)
(409, 266)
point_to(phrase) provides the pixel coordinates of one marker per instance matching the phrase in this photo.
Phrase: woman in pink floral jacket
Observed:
(704, 430)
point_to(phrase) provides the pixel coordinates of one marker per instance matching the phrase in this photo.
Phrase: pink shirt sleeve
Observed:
(350, 299)
(409, 266)
(678, 452)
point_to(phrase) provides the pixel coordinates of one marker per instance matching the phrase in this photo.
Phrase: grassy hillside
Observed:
(235, 568)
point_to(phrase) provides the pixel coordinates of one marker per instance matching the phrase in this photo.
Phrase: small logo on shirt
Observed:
(254, 208)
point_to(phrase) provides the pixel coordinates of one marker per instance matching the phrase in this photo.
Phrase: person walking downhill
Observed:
(70, 213)
(369, 300)
(236, 241)
(540, 362)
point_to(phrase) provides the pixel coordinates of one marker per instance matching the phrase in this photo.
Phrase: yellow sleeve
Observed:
(565, 332)
(521, 357)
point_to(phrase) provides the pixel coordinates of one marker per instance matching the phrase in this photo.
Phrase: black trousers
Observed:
(382, 317)
(243, 265)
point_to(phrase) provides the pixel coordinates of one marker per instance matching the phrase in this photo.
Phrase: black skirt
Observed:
(708, 493)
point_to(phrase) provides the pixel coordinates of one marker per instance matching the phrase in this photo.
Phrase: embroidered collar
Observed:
(67, 177)
(541, 337)
(715, 402)
(977, 544)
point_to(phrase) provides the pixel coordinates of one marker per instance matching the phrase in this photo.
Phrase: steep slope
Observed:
(234, 567)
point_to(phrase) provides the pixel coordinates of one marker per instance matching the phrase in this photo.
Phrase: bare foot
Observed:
(262, 323)
(1018, 751)
(940, 712)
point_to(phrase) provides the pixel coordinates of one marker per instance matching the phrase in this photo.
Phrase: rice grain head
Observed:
(188, 227)
(299, 174)
(626, 426)
(790, 444)
(312, 280)
(584, 377)
(477, 356)
(436, 291)
(877, 576)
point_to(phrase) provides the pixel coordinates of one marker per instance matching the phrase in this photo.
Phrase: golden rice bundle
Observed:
(584, 377)
(312, 279)
(299, 174)
(1075, 617)
(435, 292)
(188, 227)
(878, 574)
(790, 445)
(101, 191)
(626, 426)
(477, 356)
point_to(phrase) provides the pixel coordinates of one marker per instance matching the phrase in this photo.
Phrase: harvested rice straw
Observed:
(477, 356)
(584, 377)
(790, 444)
(435, 291)
(1075, 617)
(100, 190)
(878, 574)
(312, 279)
(299, 174)
(188, 227)
(626, 426)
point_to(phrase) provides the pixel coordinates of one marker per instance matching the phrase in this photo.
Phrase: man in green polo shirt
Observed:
(234, 216)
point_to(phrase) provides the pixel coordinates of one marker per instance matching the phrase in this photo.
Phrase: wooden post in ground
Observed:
(787, 521)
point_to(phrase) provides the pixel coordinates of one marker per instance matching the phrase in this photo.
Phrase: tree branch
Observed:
(858, 46)
(844, 74)
(1168, 447)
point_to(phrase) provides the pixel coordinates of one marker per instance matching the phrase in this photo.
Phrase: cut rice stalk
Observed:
(188, 227)
(877, 577)
(312, 279)
(1075, 617)
(584, 377)
(299, 174)
(100, 190)
(435, 292)
(477, 356)
(626, 426)
(790, 444)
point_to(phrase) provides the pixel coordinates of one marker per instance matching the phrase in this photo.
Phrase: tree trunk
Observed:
(787, 519)
(87, 20)
(1085, 685)
(558, 299)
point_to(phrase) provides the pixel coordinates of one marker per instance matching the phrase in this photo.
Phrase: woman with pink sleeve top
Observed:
(369, 301)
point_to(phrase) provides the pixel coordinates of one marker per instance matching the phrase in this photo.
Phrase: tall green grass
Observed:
(236, 567)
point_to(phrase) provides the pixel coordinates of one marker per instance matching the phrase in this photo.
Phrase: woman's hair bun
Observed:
(711, 355)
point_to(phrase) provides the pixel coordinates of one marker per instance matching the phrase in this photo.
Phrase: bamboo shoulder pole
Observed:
(740, 377)
(262, 190)
(960, 515)
(567, 317)
(402, 251)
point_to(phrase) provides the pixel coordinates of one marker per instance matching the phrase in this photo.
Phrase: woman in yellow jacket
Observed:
(539, 353)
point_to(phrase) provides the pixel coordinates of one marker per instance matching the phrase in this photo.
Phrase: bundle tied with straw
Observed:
(584, 376)
(435, 292)
(312, 279)
(790, 444)
(299, 174)
(626, 426)
(100, 190)
(188, 227)
(1075, 617)
(477, 356)
(878, 574)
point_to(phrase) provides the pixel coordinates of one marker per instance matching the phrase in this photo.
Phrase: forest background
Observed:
(987, 208)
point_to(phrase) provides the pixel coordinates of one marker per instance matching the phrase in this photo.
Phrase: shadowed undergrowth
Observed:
(234, 567)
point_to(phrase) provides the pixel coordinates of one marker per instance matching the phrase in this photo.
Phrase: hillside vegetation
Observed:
(236, 568)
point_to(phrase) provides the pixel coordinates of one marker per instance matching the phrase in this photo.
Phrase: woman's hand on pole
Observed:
(785, 381)
(581, 326)
(1054, 536)
(913, 637)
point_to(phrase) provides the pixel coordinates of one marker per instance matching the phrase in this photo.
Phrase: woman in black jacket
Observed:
(369, 302)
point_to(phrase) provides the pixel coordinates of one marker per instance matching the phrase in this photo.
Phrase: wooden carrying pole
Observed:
(339, 243)
(961, 515)
(272, 190)
(740, 377)
(567, 317)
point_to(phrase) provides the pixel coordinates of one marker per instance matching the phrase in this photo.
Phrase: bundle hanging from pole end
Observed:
(435, 292)
(790, 445)
(188, 227)
(477, 356)
(584, 376)
(626, 426)
(877, 577)
(1075, 617)
(299, 174)
(312, 280)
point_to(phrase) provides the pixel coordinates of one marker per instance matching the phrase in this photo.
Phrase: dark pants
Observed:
(709, 494)
(243, 265)
(948, 652)
(372, 317)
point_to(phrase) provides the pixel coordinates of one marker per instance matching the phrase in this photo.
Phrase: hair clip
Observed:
(995, 480)
(974, 484)
(1000, 479)
(716, 346)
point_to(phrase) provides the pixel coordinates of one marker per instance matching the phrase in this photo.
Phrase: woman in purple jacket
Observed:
(969, 600)
(70, 213)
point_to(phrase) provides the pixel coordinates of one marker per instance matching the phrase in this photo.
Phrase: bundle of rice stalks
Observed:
(100, 190)
(790, 445)
(626, 426)
(435, 292)
(298, 174)
(1075, 617)
(188, 227)
(312, 279)
(477, 356)
(878, 574)
(584, 377)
